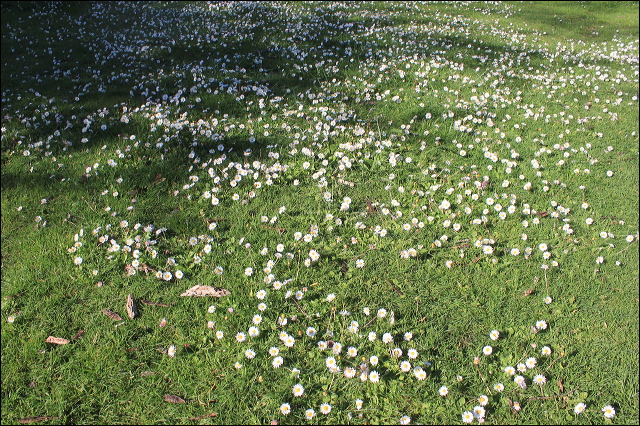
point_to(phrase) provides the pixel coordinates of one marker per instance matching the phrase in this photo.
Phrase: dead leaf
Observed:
(147, 373)
(112, 315)
(57, 340)
(175, 399)
(527, 292)
(27, 420)
(560, 386)
(205, 290)
(542, 214)
(131, 307)
(78, 334)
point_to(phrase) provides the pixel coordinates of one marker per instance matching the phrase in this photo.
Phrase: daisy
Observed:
(629, 238)
(241, 337)
(374, 376)
(219, 334)
(412, 353)
(325, 408)
(172, 351)
(330, 362)
(11, 319)
(405, 420)
(311, 332)
(373, 360)
(443, 391)
(498, 387)
(510, 370)
(609, 411)
(359, 403)
(298, 390)
(541, 325)
(237, 366)
(520, 381)
(349, 372)
(249, 353)
(277, 362)
(531, 362)
(539, 379)
(309, 414)
(494, 335)
(467, 417)
(77, 261)
(273, 351)
(579, 408)
(546, 351)
(405, 366)
(387, 338)
(211, 309)
(372, 336)
(548, 300)
(479, 412)
(352, 352)
(285, 408)
(487, 350)
(419, 373)
(483, 400)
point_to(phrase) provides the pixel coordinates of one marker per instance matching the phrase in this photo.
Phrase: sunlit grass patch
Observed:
(409, 213)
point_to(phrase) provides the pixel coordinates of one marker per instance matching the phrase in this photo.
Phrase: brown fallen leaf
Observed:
(147, 373)
(205, 290)
(27, 420)
(57, 340)
(527, 292)
(560, 385)
(174, 399)
(112, 315)
(78, 334)
(131, 307)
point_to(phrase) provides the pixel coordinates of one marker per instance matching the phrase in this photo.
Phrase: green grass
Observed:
(309, 102)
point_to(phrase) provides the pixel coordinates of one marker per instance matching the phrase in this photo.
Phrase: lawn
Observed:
(398, 212)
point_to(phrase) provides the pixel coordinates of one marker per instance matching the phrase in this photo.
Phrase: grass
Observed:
(438, 169)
